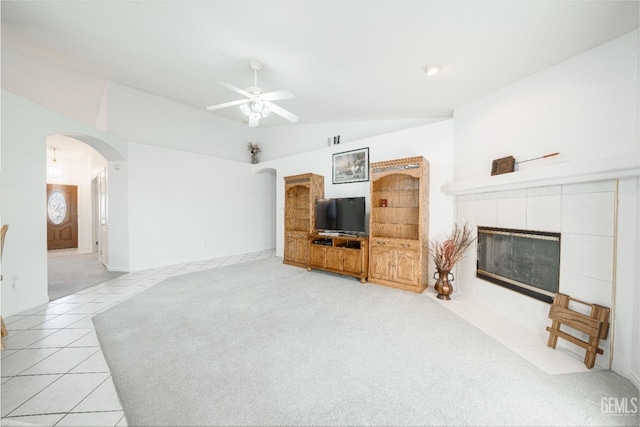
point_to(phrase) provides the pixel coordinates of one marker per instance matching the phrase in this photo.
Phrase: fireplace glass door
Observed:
(521, 260)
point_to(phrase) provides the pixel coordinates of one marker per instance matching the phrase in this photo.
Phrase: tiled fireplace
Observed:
(582, 214)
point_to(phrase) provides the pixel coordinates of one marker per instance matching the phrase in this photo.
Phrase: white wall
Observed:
(627, 341)
(25, 128)
(584, 108)
(185, 207)
(283, 141)
(67, 91)
(141, 117)
(432, 141)
(117, 216)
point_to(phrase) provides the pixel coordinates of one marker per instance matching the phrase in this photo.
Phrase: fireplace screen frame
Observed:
(549, 255)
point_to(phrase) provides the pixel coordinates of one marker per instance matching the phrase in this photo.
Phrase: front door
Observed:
(62, 216)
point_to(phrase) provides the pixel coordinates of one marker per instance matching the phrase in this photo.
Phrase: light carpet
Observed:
(263, 343)
(68, 274)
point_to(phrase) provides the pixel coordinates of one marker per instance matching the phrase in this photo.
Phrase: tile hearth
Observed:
(530, 346)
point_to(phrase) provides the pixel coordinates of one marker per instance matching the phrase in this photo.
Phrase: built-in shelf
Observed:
(599, 169)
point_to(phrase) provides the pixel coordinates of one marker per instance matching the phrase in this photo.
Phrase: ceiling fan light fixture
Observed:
(245, 109)
(256, 106)
(266, 110)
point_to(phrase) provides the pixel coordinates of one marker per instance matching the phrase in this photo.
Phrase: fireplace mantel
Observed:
(600, 169)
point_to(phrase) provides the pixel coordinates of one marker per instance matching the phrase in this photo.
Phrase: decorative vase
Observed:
(443, 283)
(254, 158)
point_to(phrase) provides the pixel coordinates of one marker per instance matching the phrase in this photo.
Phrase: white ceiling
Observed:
(344, 60)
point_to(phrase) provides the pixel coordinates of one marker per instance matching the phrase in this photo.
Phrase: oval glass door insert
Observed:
(56, 208)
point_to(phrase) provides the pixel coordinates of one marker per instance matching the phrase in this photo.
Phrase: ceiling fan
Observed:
(257, 104)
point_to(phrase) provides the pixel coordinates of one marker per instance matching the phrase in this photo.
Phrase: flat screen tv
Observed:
(341, 215)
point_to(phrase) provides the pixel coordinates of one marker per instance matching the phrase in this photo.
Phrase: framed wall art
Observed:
(351, 166)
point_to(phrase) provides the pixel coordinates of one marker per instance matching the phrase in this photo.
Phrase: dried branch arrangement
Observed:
(446, 254)
(253, 148)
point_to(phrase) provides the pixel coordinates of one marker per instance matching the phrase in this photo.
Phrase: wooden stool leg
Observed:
(561, 300)
(590, 355)
(600, 314)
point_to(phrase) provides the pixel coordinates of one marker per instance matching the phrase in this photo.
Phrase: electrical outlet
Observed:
(14, 281)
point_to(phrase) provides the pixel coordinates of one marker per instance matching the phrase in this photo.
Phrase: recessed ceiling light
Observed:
(431, 70)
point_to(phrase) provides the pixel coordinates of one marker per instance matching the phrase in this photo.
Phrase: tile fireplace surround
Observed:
(578, 201)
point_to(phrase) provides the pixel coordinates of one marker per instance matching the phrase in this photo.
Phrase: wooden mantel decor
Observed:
(596, 326)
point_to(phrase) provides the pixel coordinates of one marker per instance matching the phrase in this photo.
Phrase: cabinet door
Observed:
(406, 267)
(380, 263)
(302, 250)
(334, 256)
(289, 249)
(352, 260)
(317, 255)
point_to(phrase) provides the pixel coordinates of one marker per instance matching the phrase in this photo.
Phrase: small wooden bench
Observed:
(3, 333)
(595, 325)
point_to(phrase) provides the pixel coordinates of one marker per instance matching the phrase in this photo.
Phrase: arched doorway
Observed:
(77, 238)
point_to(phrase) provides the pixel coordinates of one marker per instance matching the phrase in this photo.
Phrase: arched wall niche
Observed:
(273, 173)
(266, 170)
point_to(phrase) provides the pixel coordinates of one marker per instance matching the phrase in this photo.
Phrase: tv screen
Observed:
(345, 214)
(326, 215)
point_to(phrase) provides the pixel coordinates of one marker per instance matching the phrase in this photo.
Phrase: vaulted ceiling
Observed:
(344, 60)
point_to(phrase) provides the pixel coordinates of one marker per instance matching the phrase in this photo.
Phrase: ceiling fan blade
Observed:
(284, 113)
(227, 104)
(253, 121)
(274, 96)
(237, 89)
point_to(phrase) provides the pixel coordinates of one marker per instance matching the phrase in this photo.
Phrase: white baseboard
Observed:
(634, 377)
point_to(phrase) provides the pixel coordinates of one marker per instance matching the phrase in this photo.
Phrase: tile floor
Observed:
(53, 370)
(54, 373)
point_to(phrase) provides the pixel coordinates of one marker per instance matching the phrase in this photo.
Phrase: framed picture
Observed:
(351, 166)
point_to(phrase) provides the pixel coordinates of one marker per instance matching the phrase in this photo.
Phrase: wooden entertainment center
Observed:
(399, 223)
(300, 195)
(394, 254)
(340, 254)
